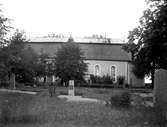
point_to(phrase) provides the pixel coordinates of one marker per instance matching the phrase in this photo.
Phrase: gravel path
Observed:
(80, 99)
(18, 91)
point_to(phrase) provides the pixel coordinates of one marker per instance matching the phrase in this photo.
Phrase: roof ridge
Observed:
(79, 43)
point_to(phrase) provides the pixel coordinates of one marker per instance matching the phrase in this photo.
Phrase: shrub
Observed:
(121, 100)
(39, 83)
(120, 80)
(94, 79)
(79, 82)
(29, 84)
(106, 79)
(66, 93)
(128, 85)
(4, 84)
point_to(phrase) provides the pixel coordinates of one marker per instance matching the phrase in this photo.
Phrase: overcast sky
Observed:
(79, 17)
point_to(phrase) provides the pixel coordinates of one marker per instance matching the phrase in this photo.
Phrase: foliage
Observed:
(42, 64)
(14, 52)
(69, 62)
(19, 59)
(4, 84)
(4, 29)
(66, 93)
(120, 79)
(3, 68)
(22, 60)
(105, 79)
(147, 42)
(11, 55)
(29, 65)
(121, 100)
(3, 71)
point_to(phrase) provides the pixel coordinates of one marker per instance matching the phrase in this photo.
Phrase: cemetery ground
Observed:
(41, 110)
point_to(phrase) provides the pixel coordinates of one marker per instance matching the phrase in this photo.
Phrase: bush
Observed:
(128, 85)
(79, 82)
(120, 80)
(66, 93)
(4, 84)
(106, 79)
(39, 83)
(121, 100)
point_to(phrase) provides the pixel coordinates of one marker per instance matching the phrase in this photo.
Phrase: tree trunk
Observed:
(153, 75)
(13, 81)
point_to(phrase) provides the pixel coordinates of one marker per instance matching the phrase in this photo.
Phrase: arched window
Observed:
(97, 70)
(113, 73)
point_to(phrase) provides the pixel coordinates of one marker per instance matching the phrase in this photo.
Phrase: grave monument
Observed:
(71, 88)
(160, 91)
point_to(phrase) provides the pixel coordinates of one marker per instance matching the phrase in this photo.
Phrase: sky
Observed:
(113, 18)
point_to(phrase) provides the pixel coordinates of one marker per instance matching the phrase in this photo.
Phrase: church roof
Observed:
(76, 39)
(92, 51)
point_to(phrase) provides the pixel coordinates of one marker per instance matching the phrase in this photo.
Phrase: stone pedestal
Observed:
(71, 91)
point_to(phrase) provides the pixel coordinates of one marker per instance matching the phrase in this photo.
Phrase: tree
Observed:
(69, 62)
(14, 60)
(4, 28)
(29, 65)
(11, 56)
(150, 50)
(43, 68)
(20, 61)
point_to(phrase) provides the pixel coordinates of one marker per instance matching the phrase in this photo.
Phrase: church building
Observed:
(102, 58)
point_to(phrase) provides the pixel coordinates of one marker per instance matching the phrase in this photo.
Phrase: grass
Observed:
(43, 111)
(97, 93)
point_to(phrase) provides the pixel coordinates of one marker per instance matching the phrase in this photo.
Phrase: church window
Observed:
(113, 73)
(97, 70)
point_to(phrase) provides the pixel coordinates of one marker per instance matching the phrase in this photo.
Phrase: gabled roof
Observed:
(92, 51)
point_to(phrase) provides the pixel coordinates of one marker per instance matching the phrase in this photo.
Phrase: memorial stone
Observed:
(160, 91)
(71, 88)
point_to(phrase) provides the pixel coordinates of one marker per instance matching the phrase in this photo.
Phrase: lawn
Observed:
(18, 110)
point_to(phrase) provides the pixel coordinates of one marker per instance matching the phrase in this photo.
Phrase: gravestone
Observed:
(71, 88)
(160, 91)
